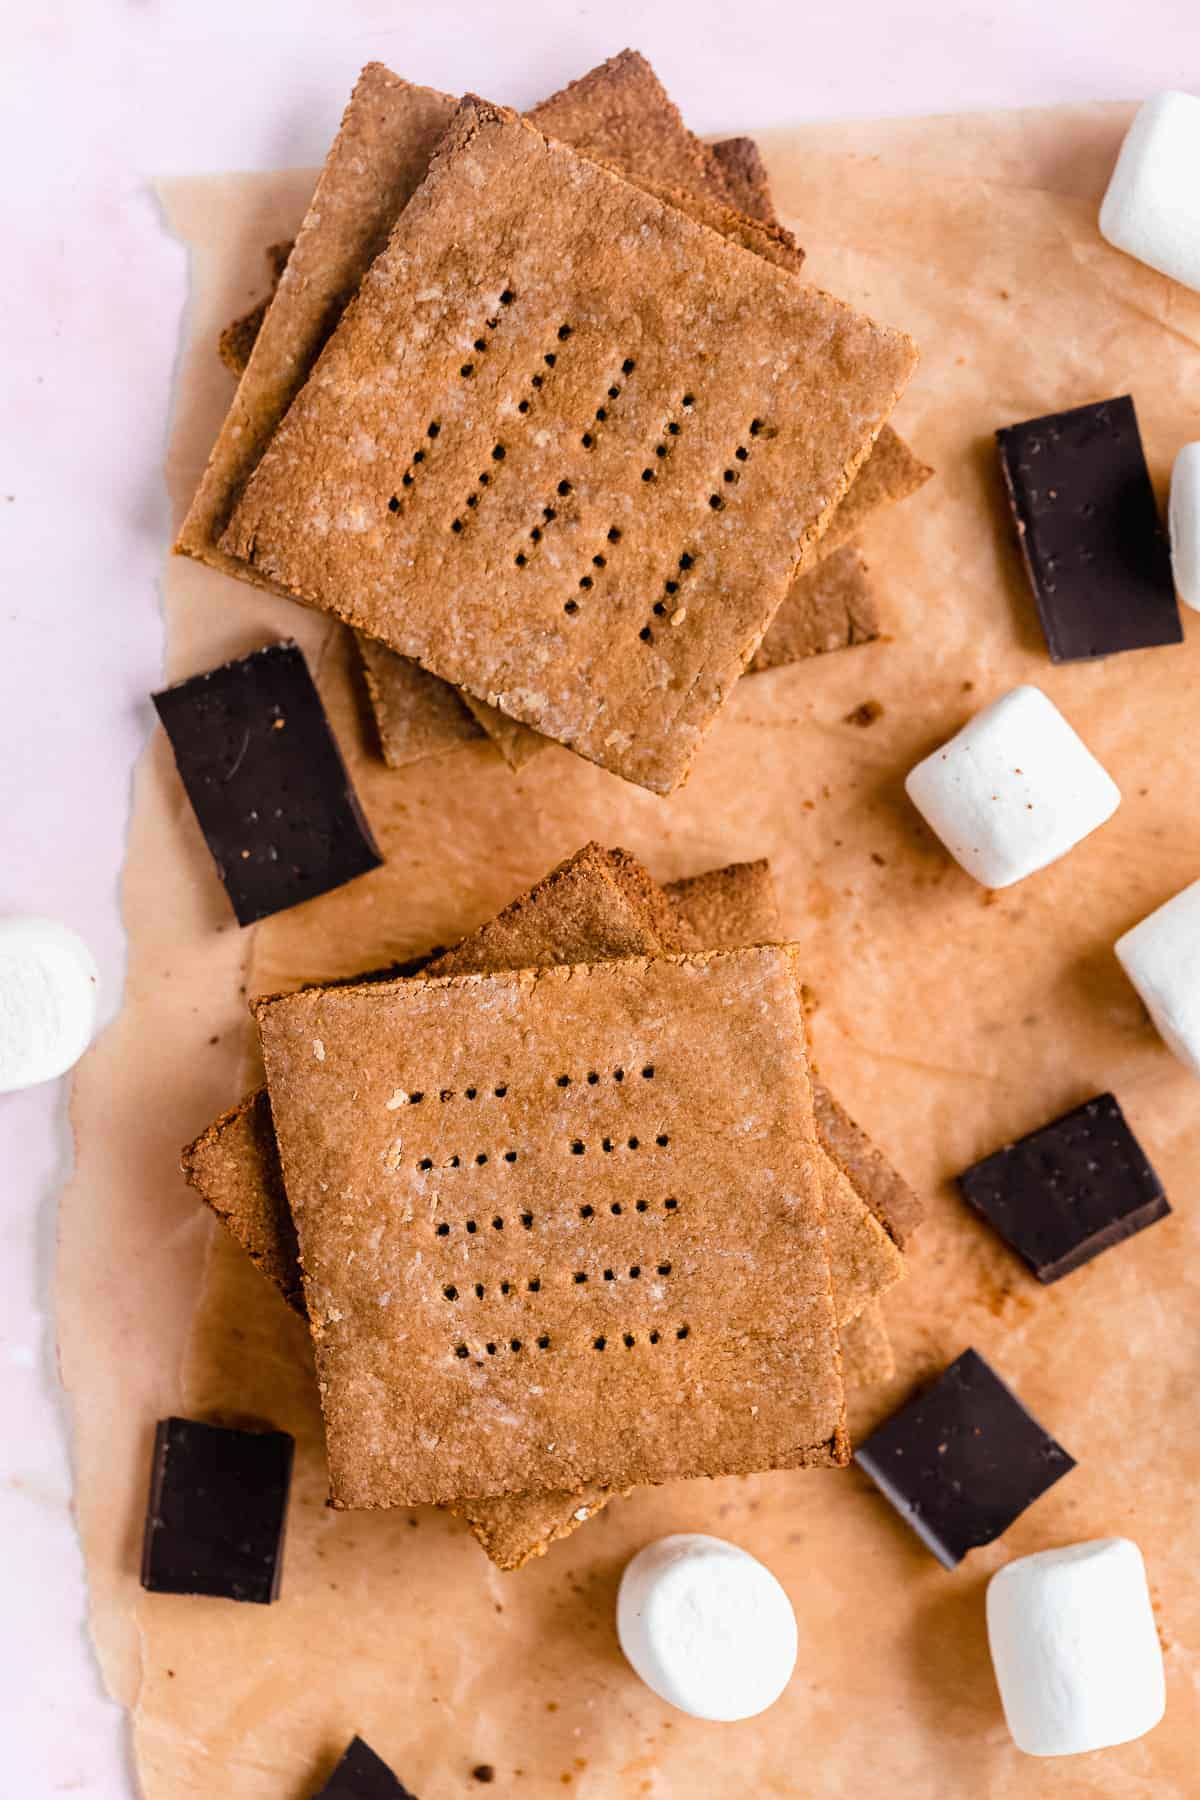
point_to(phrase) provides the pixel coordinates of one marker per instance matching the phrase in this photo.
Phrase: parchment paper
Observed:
(949, 1020)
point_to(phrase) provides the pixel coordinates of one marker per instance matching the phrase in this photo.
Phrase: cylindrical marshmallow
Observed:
(1015, 790)
(1075, 1650)
(1184, 521)
(48, 993)
(706, 1626)
(1161, 957)
(1152, 207)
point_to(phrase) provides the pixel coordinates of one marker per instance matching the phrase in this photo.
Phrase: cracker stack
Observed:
(501, 1189)
(545, 410)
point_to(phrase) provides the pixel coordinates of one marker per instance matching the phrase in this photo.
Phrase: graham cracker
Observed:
(740, 162)
(491, 595)
(234, 1166)
(738, 905)
(599, 903)
(867, 1354)
(417, 715)
(729, 908)
(567, 1367)
(898, 1209)
(389, 121)
(378, 158)
(620, 113)
(238, 338)
(517, 743)
(774, 243)
(891, 473)
(830, 608)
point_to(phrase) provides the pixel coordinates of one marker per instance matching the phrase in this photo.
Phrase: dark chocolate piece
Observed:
(1090, 533)
(962, 1460)
(361, 1775)
(1065, 1193)
(266, 779)
(215, 1520)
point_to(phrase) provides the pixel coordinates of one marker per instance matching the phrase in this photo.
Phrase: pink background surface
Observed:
(99, 97)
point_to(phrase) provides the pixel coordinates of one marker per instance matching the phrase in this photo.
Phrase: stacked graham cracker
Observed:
(565, 1207)
(545, 410)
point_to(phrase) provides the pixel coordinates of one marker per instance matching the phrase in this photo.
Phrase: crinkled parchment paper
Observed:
(949, 1020)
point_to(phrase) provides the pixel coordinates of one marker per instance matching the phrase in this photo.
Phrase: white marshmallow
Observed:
(706, 1626)
(1077, 1658)
(1161, 957)
(1184, 522)
(48, 992)
(1152, 207)
(1015, 790)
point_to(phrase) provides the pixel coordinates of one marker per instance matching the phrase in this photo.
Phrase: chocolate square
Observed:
(963, 1460)
(266, 779)
(1090, 533)
(361, 1775)
(1064, 1193)
(218, 1498)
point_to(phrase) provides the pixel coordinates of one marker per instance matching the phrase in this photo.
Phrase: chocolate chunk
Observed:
(1065, 1193)
(361, 1775)
(266, 779)
(215, 1520)
(1094, 547)
(963, 1460)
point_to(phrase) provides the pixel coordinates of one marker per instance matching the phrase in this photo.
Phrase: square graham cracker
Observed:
(830, 608)
(468, 1271)
(599, 905)
(745, 174)
(891, 473)
(599, 902)
(387, 125)
(620, 113)
(377, 160)
(737, 905)
(416, 715)
(867, 1354)
(522, 553)
(729, 908)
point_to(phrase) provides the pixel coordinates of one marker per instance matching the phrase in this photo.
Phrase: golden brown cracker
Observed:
(738, 905)
(598, 903)
(377, 159)
(620, 113)
(416, 714)
(898, 1209)
(487, 1317)
(891, 473)
(516, 743)
(234, 1167)
(830, 608)
(867, 1355)
(512, 552)
(239, 337)
(730, 907)
(740, 161)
